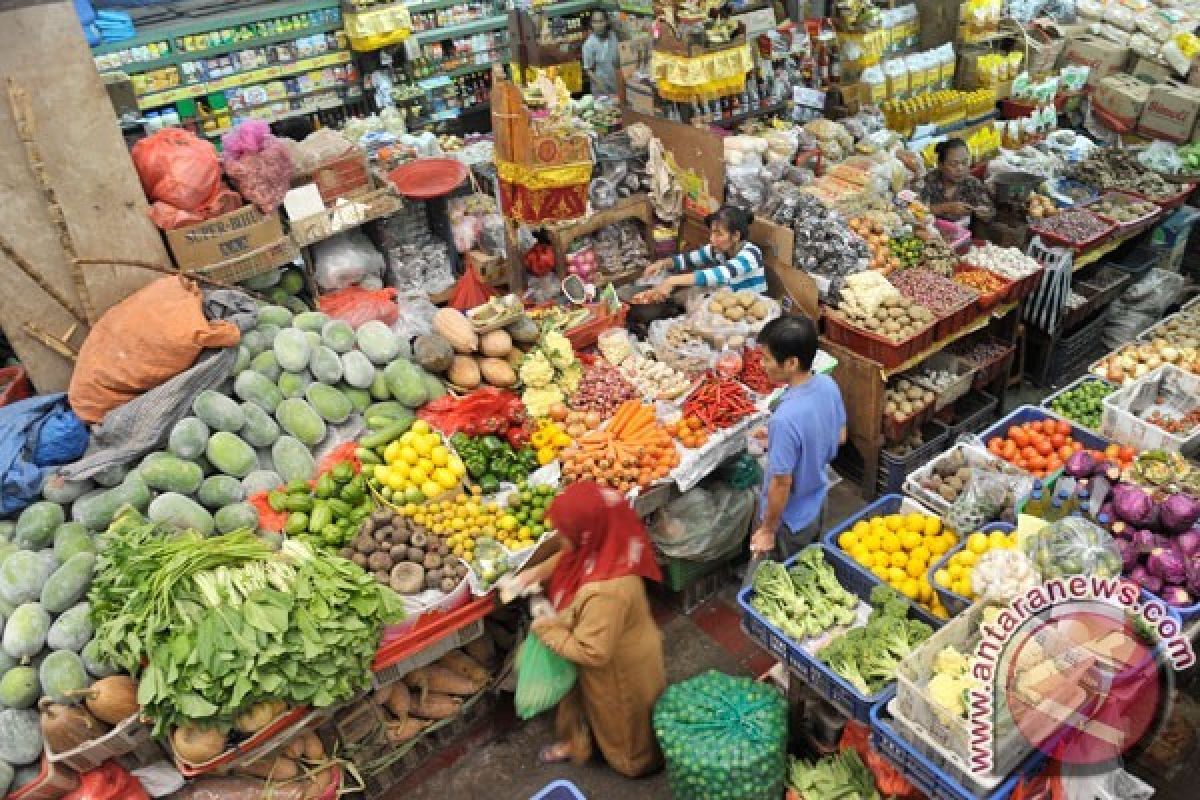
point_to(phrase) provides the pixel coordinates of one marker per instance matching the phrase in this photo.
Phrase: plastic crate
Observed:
(1151, 333)
(893, 469)
(430, 639)
(1073, 316)
(1123, 425)
(951, 392)
(1078, 348)
(1048, 401)
(1079, 247)
(130, 742)
(1106, 282)
(680, 573)
(953, 602)
(54, 781)
(932, 780)
(913, 704)
(1023, 414)
(559, 790)
(970, 414)
(1023, 287)
(975, 458)
(999, 365)
(895, 430)
(807, 665)
(585, 335)
(882, 351)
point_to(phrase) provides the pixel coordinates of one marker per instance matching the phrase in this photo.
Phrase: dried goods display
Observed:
(614, 249)
(939, 295)
(864, 291)
(1075, 227)
(824, 244)
(1108, 168)
(744, 307)
(1172, 423)
(656, 380)
(678, 343)
(982, 352)
(1008, 262)
(896, 319)
(1122, 208)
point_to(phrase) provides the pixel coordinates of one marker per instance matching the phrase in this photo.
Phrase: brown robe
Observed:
(608, 632)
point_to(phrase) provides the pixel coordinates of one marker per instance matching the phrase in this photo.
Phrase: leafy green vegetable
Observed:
(805, 601)
(212, 626)
(867, 657)
(841, 776)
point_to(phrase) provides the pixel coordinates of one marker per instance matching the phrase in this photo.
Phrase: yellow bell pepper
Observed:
(541, 438)
(545, 455)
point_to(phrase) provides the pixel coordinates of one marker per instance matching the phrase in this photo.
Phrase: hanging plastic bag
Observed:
(470, 291)
(357, 305)
(543, 678)
(345, 260)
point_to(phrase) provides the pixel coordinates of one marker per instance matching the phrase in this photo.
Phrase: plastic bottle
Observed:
(1035, 506)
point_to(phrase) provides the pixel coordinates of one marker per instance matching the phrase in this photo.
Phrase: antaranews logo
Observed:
(1080, 668)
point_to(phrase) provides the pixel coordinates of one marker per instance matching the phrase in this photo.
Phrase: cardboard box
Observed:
(225, 238)
(794, 288)
(639, 96)
(1171, 111)
(1151, 70)
(1121, 96)
(1104, 57)
(1046, 43)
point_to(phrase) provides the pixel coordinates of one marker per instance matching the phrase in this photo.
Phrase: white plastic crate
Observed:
(976, 458)
(981, 786)
(1167, 389)
(914, 705)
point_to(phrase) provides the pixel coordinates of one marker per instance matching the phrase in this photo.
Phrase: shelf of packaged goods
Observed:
(759, 112)
(220, 50)
(471, 28)
(937, 347)
(449, 114)
(248, 78)
(316, 108)
(569, 7)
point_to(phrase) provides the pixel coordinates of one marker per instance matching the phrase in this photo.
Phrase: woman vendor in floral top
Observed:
(951, 191)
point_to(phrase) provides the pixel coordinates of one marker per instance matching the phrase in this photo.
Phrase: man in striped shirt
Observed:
(729, 259)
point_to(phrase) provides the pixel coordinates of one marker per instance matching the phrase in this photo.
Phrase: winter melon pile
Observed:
(298, 375)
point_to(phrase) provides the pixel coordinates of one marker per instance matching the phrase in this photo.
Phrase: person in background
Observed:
(729, 259)
(951, 191)
(603, 625)
(601, 55)
(803, 435)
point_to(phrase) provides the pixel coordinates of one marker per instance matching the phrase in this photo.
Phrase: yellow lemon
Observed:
(935, 545)
(861, 555)
(899, 559)
(914, 521)
(933, 526)
(861, 528)
(915, 569)
(977, 543)
(894, 522)
(874, 541)
(955, 571)
(962, 588)
(999, 540)
(440, 456)
(408, 437)
(394, 481)
(924, 590)
(881, 559)
(910, 540)
(381, 472)
(949, 539)
(408, 455)
(910, 589)
(423, 446)
(939, 612)
(392, 452)
(890, 543)
(920, 553)
(445, 478)
(455, 465)
(968, 558)
(431, 489)
(508, 522)
(943, 578)
(420, 426)
(880, 572)
(847, 540)
(896, 575)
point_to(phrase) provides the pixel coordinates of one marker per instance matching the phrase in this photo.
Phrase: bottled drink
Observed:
(1036, 505)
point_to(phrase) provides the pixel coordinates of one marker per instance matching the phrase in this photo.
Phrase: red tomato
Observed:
(1064, 427)
(1044, 447)
(1019, 436)
(1029, 453)
(1058, 440)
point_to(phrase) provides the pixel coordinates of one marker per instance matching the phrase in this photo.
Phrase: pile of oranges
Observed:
(690, 432)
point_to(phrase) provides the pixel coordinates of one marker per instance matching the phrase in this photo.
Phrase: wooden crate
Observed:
(636, 207)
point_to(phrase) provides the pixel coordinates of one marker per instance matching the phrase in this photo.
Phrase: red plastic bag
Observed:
(888, 779)
(357, 305)
(178, 168)
(108, 782)
(470, 291)
(485, 409)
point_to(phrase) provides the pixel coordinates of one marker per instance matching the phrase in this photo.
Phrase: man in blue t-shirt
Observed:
(803, 435)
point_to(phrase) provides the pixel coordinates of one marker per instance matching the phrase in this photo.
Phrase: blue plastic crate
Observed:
(956, 603)
(559, 790)
(888, 504)
(934, 782)
(806, 666)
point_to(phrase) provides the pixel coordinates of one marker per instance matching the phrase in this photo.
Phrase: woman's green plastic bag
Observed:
(543, 678)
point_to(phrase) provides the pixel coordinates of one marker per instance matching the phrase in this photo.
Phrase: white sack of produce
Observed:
(345, 260)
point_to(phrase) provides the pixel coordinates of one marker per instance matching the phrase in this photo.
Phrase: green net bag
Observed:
(723, 738)
(543, 678)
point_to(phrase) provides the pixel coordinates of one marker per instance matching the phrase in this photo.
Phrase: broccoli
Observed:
(867, 657)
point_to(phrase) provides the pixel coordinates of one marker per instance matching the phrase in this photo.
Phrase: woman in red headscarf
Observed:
(605, 628)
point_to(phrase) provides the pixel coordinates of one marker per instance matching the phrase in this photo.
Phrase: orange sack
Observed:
(143, 341)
